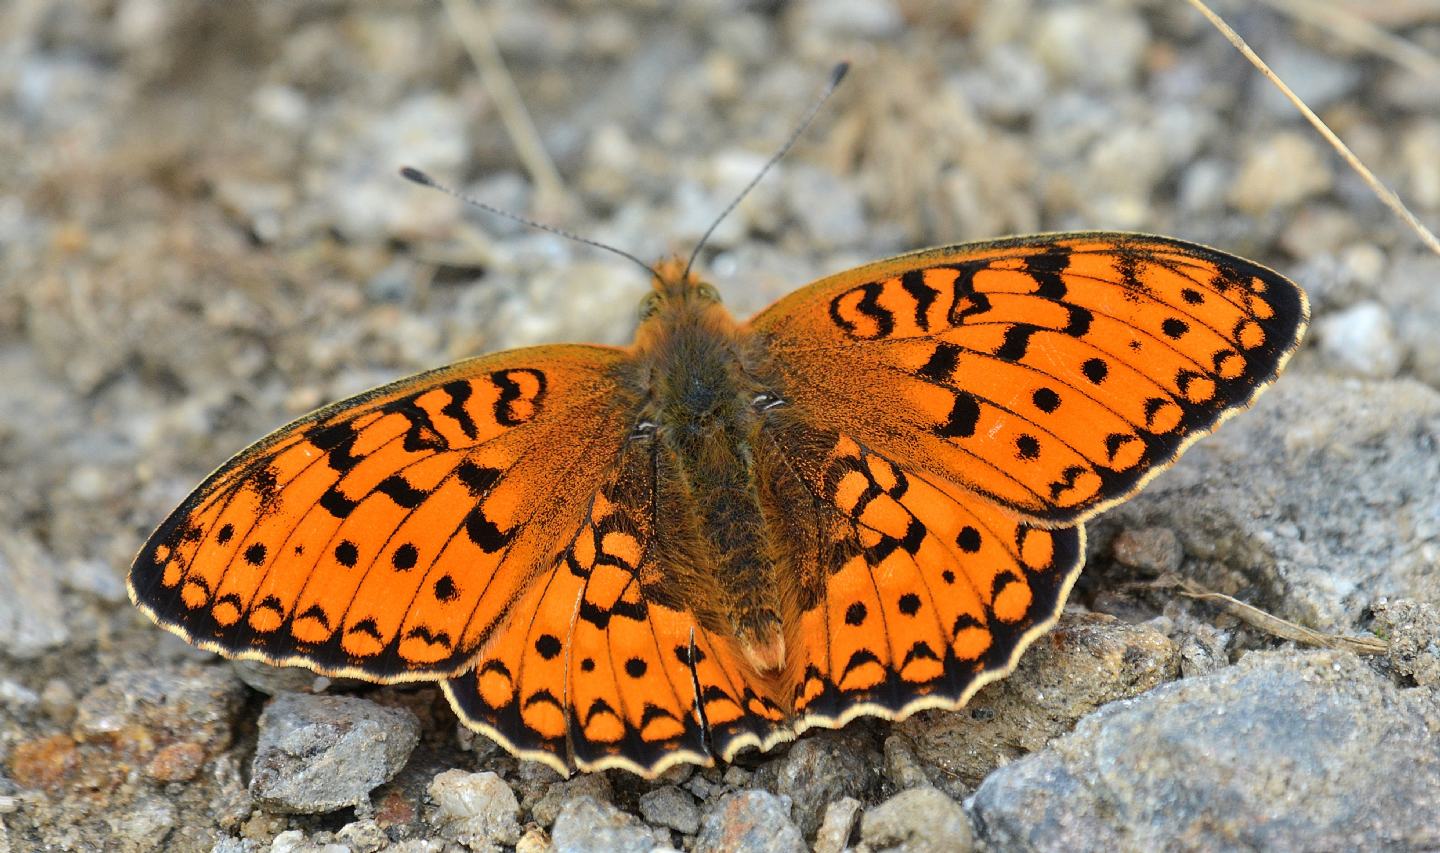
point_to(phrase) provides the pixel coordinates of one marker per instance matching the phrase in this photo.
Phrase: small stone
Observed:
(1360, 341)
(902, 768)
(1155, 550)
(476, 809)
(535, 840)
(1086, 661)
(586, 825)
(58, 701)
(1099, 47)
(670, 807)
(837, 826)
(825, 766)
(363, 836)
(32, 618)
(1280, 171)
(321, 753)
(593, 785)
(1285, 750)
(920, 820)
(747, 821)
(194, 704)
(178, 762)
(839, 19)
(1412, 630)
(274, 680)
(144, 825)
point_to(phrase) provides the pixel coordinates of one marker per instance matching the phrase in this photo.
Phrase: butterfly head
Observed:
(675, 287)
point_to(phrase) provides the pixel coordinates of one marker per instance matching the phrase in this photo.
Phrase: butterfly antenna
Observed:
(835, 77)
(424, 180)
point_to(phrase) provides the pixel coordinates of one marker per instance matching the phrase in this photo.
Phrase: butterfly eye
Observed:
(707, 292)
(765, 401)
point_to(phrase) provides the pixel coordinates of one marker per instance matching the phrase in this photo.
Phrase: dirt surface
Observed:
(203, 236)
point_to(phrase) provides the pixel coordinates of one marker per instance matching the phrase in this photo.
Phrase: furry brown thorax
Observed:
(706, 391)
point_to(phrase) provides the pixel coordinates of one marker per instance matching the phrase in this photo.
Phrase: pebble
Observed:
(595, 786)
(822, 767)
(1360, 341)
(671, 807)
(321, 753)
(752, 821)
(1284, 751)
(1412, 630)
(1265, 517)
(920, 820)
(1086, 661)
(195, 705)
(586, 825)
(1155, 550)
(476, 809)
(32, 617)
(1280, 171)
(838, 824)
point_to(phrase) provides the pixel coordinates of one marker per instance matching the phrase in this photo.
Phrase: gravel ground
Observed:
(202, 236)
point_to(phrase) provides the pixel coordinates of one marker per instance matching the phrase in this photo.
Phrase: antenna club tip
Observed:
(416, 176)
(841, 69)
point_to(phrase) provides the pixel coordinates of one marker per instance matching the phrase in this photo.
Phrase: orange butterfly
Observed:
(867, 500)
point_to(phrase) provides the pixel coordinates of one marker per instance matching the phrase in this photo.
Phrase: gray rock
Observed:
(586, 825)
(320, 753)
(837, 825)
(32, 617)
(476, 809)
(671, 807)
(195, 704)
(144, 825)
(920, 820)
(1360, 341)
(903, 768)
(593, 785)
(1284, 751)
(748, 821)
(1261, 516)
(1408, 291)
(1085, 662)
(1412, 629)
(1155, 550)
(824, 766)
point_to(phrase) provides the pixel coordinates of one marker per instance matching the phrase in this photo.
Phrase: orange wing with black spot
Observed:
(605, 665)
(956, 414)
(1051, 374)
(388, 536)
(912, 593)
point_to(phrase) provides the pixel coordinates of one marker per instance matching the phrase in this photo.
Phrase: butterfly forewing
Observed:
(1050, 374)
(387, 535)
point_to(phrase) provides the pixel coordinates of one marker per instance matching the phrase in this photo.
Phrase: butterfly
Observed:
(867, 500)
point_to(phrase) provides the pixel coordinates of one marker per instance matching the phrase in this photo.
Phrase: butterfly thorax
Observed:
(704, 404)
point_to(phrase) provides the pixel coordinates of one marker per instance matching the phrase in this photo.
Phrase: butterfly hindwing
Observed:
(1051, 374)
(913, 593)
(386, 536)
(603, 665)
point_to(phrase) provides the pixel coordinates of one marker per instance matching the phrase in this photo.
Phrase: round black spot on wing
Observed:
(909, 604)
(635, 668)
(347, 554)
(255, 554)
(445, 589)
(547, 646)
(1095, 369)
(1045, 399)
(405, 557)
(968, 540)
(226, 531)
(855, 614)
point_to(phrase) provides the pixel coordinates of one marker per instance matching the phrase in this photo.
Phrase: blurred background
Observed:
(203, 235)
